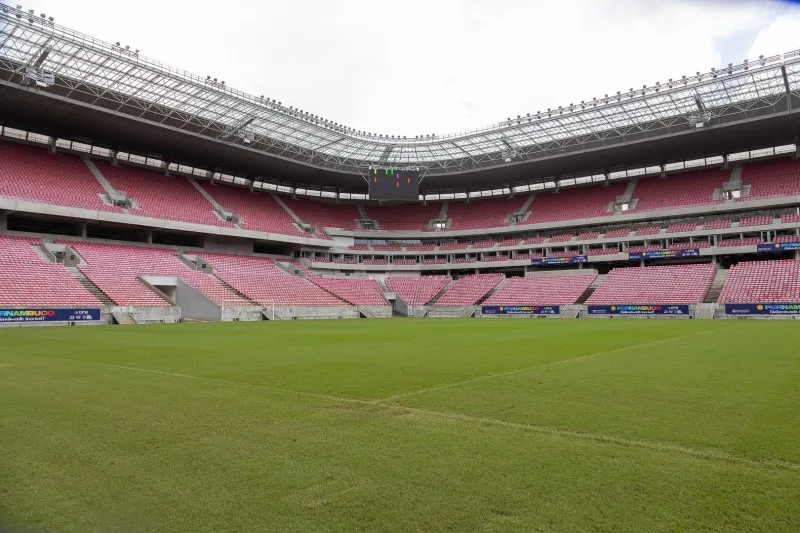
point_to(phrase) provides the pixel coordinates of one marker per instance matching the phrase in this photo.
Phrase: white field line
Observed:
(663, 447)
(535, 367)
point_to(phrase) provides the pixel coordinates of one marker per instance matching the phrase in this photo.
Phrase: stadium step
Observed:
(716, 286)
(593, 287)
(219, 209)
(91, 287)
(441, 293)
(121, 317)
(491, 291)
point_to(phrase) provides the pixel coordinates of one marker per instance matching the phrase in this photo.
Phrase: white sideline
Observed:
(534, 367)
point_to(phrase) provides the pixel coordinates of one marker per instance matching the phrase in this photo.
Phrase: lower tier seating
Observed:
(541, 290)
(27, 280)
(116, 270)
(264, 282)
(762, 282)
(355, 291)
(670, 284)
(417, 290)
(470, 289)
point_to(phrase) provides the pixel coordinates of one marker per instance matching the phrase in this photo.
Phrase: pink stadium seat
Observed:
(404, 262)
(589, 236)
(344, 260)
(34, 174)
(261, 280)
(495, 258)
(321, 214)
(483, 244)
(679, 190)
(465, 259)
(541, 290)
(417, 290)
(420, 247)
(764, 220)
(355, 291)
(375, 261)
(728, 243)
(564, 237)
(682, 227)
(510, 242)
(763, 282)
(648, 230)
(648, 248)
(671, 284)
(434, 260)
(575, 203)
(258, 211)
(787, 238)
(358, 247)
(689, 245)
(406, 217)
(487, 213)
(27, 280)
(600, 251)
(387, 247)
(116, 269)
(778, 177)
(158, 196)
(790, 218)
(452, 245)
(564, 253)
(617, 233)
(469, 289)
(534, 240)
(718, 224)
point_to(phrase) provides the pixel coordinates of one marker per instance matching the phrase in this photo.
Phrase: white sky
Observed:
(436, 66)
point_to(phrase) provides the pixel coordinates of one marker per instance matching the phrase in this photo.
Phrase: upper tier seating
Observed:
(406, 217)
(344, 260)
(534, 240)
(375, 262)
(671, 284)
(434, 260)
(600, 251)
(718, 224)
(478, 214)
(454, 245)
(115, 269)
(564, 237)
(790, 218)
(763, 282)
(589, 236)
(487, 243)
(404, 262)
(617, 233)
(779, 177)
(417, 290)
(689, 245)
(564, 253)
(510, 242)
(679, 190)
(27, 280)
(261, 280)
(257, 211)
(575, 203)
(541, 290)
(469, 289)
(158, 196)
(323, 214)
(648, 230)
(682, 227)
(387, 247)
(728, 243)
(787, 238)
(763, 220)
(648, 248)
(420, 247)
(30, 173)
(358, 247)
(355, 291)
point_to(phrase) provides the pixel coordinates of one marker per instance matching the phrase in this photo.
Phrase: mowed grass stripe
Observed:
(446, 386)
(431, 415)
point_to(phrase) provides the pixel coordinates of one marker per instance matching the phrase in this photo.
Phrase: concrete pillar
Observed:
(84, 228)
(725, 162)
(149, 236)
(606, 179)
(3, 222)
(114, 161)
(663, 171)
(51, 144)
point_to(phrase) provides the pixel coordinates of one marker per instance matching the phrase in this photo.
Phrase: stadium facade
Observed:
(133, 191)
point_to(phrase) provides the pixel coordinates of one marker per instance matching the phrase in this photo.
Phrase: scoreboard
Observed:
(394, 184)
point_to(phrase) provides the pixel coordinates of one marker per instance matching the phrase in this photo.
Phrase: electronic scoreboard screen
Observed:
(393, 184)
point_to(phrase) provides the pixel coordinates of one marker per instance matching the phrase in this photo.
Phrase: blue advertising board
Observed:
(779, 246)
(665, 254)
(560, 260)
(49, 315)
(762, 309)
(638, 309)
(520, 310)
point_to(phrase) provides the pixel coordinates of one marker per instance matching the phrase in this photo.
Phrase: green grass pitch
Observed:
(402, 425)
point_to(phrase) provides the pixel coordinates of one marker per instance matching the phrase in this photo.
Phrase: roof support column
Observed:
(606, 179)
(725, 162)
(663, 173)
(51, 145)
(114, 161)
(3, 222)
(788, 89)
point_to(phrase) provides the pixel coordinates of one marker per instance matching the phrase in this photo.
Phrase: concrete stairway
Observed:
(91, 287)
(716, 286)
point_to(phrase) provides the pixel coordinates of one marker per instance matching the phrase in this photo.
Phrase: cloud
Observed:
(436, 66)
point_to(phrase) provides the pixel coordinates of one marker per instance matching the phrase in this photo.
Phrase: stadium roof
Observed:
(46, 59)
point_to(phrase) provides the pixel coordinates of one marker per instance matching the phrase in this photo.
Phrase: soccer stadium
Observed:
(260, 319)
